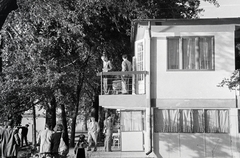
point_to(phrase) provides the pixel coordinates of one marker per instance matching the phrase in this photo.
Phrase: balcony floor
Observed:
(123, 101)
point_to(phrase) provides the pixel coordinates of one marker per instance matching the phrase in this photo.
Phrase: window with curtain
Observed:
(190, 53)
(132, 121)
(217, 121)
(191, 120)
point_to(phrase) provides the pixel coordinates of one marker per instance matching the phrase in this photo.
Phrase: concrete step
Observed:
(116, 153)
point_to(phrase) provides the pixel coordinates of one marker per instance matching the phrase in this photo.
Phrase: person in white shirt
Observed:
(93, 130)
(44, 140)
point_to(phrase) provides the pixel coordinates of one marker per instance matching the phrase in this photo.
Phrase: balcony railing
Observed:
(127, 82)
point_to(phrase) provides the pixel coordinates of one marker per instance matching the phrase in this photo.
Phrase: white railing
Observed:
(127, 82)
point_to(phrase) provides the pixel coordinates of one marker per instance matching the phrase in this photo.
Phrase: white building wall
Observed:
(194, 84)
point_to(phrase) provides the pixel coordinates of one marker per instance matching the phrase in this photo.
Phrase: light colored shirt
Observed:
(93, 127)
(107, 66)
(126, 65)
(44, 138)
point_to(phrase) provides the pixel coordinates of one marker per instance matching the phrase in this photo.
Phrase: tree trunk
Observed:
(96, 107)
(64, 122)
(76, 99)
(73, 127)
(74, 118)
(34, 125)
(51, 113)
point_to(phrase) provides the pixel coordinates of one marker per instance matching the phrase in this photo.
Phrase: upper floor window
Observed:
(190, 53)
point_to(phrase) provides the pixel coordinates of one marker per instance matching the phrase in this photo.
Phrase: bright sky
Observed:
(227, 9)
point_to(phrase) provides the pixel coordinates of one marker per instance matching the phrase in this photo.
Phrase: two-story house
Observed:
(175, 107)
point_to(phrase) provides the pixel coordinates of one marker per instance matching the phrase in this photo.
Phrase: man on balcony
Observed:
(107, 66)
(126, 66)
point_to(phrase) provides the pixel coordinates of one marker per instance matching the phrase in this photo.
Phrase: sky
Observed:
(227, 9)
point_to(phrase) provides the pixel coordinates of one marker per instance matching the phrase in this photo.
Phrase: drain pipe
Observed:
(149, 135)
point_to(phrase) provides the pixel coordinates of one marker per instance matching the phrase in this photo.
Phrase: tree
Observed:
(51, 50)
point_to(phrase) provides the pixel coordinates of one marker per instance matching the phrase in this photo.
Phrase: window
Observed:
(190, 53)
(191, 121)
(139, 62)
(132, 120)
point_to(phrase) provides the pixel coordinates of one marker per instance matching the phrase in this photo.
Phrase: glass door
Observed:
(132, 127)
(140, 79)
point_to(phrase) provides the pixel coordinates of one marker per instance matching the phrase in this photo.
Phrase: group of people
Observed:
(107, 66)
(12, 138)
(49, 142)
(93, 131)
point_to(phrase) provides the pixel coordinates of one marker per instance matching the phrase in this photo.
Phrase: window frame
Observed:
(143, 123)
(181, 54)
(205, 130)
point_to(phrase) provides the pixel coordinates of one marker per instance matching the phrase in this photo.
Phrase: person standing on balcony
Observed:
(126, 66)
(107, 66)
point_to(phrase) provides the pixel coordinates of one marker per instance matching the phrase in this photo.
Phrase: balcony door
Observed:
(132, 129)
(140, 66)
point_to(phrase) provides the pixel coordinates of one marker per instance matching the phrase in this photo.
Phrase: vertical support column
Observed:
(101, 83)
(134, 75)
(147, 54)
(233, 133)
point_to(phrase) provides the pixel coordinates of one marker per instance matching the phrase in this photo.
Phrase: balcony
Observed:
(123, 90)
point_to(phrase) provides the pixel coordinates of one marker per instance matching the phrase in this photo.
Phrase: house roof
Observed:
(170, 22)
(210, 21)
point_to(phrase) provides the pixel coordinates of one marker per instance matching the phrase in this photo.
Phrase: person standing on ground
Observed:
(24, 133)
(93, 130)
(55, 142)
(107, 66)
(126, 66)
(10, 141)
(44, 139)
(108, 131)
(79, 148)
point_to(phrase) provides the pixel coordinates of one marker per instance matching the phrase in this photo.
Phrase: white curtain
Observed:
(198, 121)
(126, 121)
(217, 121)
(137, 121)
(198, 53)
(131, 121)
(187, 121)
(223, 114)
(166, 120)
(173, 53)
(206, 53)
(191, 121)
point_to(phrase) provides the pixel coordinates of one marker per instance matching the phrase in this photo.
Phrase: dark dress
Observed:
(79, 148)
(55, 141)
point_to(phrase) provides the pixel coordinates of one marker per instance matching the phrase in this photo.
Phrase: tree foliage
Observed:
(51, 49)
